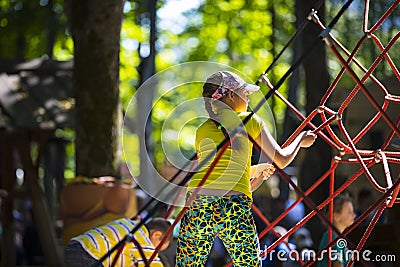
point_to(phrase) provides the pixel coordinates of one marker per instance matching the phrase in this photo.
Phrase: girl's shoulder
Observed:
(244, 114)
(255, 119)
(206, 126)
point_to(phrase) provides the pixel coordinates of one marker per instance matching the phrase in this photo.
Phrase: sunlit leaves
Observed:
(131, 152)
(25, 25)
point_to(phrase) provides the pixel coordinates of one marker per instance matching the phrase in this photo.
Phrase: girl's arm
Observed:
(283, 156)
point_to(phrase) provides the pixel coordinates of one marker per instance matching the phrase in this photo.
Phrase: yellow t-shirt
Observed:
(98, 241)
(232, 172)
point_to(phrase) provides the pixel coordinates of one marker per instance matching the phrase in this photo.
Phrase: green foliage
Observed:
(131, 36)
(131, 151)
(25, 26)
(176, 116)
(244, 34)
(68, 135)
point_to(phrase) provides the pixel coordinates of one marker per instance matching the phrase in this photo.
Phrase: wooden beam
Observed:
(7, 176)
(40, 209)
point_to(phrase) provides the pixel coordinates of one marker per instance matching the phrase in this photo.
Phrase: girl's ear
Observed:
(231, 94)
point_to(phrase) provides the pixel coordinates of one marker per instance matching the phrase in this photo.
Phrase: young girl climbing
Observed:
(222, 206)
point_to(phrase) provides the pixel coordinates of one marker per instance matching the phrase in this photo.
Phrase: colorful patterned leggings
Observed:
(230, 218)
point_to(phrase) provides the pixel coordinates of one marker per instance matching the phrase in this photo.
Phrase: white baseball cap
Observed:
(226, 81)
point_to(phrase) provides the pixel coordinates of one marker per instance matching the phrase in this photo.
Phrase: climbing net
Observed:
(348, 152)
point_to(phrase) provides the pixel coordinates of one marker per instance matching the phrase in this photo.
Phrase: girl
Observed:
(222, 206)
(343, 217)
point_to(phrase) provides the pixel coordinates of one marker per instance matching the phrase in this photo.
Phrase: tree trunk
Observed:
(7, 177)
(318, 157)
(144, 103)
(51, 29)
(96, 27)
(291, 120)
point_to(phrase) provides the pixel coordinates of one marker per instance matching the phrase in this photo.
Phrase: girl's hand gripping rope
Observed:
(308, 138)
(259, 173)
(267, 172)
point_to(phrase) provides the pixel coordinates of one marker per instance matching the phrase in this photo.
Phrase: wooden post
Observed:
(41, 213)
(7, 176)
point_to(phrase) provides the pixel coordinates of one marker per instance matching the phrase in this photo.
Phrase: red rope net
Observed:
(349, 153)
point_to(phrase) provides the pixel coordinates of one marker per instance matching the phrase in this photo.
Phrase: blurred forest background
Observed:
(105, 50)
